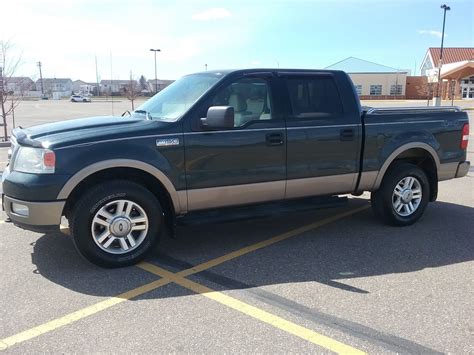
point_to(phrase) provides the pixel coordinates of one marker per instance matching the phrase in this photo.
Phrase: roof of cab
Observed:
(258, 70)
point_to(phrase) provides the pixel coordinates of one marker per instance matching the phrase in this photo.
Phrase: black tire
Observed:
(382, 198)
(98, 196)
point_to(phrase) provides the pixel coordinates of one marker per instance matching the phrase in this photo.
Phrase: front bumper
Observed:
(35, 216)
(463, 169)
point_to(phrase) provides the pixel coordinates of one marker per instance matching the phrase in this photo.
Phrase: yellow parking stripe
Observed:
(90, 310)
(254, 312)
(80, 314)
(214, 262)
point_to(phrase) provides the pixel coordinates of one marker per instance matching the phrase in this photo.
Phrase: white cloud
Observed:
(212, 14)
(431, 33)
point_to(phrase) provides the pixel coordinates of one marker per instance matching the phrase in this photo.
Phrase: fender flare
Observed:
(178, 198)
(400, 150)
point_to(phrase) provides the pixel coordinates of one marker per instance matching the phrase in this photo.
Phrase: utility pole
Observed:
(205, 67)
(437, 99)
(156, 77)
(97, 77)
(41, 80)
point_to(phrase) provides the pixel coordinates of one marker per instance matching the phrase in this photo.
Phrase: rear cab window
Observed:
(314, 96)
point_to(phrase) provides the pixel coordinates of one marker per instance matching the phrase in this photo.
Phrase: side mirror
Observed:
(219, 117)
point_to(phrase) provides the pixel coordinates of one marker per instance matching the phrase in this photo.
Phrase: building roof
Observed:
(160, 81)
(55, 80)
(458, 70)
(356, 65)
(451, 55)
(19, 79)
(118, 82)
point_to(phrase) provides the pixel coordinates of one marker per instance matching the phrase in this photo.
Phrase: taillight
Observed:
(465, 136)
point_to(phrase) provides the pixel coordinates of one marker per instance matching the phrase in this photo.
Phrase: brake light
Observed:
(49, 159)
(465, 136)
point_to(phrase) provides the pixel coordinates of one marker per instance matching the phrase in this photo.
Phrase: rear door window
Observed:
(314, 97)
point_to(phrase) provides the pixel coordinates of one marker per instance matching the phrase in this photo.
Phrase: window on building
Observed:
(358, 89)
(315, 96)
(395, 89)
(375, 90)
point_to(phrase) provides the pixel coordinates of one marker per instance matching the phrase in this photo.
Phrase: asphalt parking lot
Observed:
(330, 280)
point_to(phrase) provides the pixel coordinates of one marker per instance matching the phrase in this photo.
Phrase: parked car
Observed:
(80, 98)
(227, 138)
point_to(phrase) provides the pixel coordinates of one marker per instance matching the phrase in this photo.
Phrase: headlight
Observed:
(35, 161)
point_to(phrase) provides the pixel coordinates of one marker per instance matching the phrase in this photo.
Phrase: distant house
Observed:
(372, 80)
(158, 85)
(114, 87)
(19, 85)
(55, 87)
(83, 88)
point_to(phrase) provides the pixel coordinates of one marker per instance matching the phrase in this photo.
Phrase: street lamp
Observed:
(437, 99)
(156, 77)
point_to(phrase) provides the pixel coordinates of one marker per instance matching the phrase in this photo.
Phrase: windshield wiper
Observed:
(143, 112)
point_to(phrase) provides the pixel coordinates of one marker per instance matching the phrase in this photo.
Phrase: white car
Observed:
(80, 98)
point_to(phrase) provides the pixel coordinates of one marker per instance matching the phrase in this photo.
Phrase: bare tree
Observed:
(9, 99)
(143, 83)
(132, 90)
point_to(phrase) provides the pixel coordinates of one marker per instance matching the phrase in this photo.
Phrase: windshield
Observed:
(172, 102)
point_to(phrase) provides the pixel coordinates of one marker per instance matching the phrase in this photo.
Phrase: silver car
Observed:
(80, 98)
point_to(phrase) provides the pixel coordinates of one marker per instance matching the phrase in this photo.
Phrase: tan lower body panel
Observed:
(213, 197)
(199, 199)
(367, 180)
(320, 185)
(447, 171)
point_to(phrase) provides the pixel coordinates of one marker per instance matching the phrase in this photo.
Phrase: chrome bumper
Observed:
(463, 169)
(36, 216)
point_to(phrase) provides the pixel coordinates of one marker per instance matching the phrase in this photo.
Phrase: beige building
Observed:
(372, 80)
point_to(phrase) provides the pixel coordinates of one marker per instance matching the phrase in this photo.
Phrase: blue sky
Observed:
(66, 36)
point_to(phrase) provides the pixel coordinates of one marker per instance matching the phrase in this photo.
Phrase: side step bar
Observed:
(231, 214)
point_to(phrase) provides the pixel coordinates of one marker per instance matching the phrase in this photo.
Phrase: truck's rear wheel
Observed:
(116, 224)
(403, 195)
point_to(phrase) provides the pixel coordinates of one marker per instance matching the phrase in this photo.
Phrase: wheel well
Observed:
(425, 161)
(132, 174)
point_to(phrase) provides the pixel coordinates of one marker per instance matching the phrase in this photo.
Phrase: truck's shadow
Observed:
(357, 246)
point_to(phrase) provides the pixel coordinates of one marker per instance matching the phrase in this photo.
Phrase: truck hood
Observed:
(85, 130)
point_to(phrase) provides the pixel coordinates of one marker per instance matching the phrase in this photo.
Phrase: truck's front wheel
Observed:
(115, 224)
(402, 196)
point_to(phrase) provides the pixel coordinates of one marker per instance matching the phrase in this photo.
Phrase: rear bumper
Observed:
(35, 216)
(463, 169)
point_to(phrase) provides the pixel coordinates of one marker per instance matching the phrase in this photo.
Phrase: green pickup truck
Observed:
(227, 138)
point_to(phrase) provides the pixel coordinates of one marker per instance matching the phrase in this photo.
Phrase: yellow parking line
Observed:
(214, 262)
(95, 308)
(80, 314)
(254, 312)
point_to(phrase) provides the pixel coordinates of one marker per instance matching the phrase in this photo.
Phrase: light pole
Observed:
(156, 77)
(437, 99)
